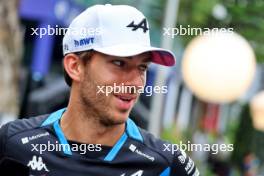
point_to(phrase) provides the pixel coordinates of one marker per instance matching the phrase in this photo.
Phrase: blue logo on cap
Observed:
(85, 41)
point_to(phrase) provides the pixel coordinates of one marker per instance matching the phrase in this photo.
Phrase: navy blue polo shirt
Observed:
(136, 153)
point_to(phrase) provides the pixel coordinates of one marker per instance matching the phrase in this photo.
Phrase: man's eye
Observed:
(118, 63)
(143, 67)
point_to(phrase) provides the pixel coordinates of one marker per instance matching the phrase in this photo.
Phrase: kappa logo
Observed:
(143, 25)
(37, 164)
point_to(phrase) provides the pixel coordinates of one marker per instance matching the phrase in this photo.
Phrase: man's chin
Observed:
(115, 119)
(121, 117)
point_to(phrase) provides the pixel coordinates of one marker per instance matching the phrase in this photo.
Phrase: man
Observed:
(105, 46)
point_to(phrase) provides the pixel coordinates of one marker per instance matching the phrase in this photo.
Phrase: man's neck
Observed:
(76, 126)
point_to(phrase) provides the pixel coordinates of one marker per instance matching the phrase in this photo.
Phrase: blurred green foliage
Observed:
(245, 16)
(244, 137)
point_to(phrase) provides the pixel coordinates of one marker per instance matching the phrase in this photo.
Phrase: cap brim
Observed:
(159, 55)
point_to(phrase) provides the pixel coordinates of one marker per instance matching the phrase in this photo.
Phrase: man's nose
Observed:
(134, 78)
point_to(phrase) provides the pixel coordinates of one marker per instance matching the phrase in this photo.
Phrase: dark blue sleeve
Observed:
(183, 165)
(3, 139)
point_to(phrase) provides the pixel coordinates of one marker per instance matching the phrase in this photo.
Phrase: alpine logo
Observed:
(133, 148)
(37, 164)
(143, 25)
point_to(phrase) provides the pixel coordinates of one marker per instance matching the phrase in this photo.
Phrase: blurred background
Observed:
(214, 91)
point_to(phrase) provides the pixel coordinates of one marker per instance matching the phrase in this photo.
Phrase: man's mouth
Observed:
(125, 101)
(125, 97)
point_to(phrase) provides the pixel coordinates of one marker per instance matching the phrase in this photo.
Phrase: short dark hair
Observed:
(85, 56)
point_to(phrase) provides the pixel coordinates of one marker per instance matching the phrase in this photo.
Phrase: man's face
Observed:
(104, 71)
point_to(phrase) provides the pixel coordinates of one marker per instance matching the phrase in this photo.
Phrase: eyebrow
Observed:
(147, 59)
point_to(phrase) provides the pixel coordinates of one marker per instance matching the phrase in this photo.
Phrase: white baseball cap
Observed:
(117, 30)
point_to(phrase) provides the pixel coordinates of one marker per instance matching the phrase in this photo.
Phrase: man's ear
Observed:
(72, 66)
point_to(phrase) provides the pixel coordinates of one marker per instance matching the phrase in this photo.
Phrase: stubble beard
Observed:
(96, 105)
